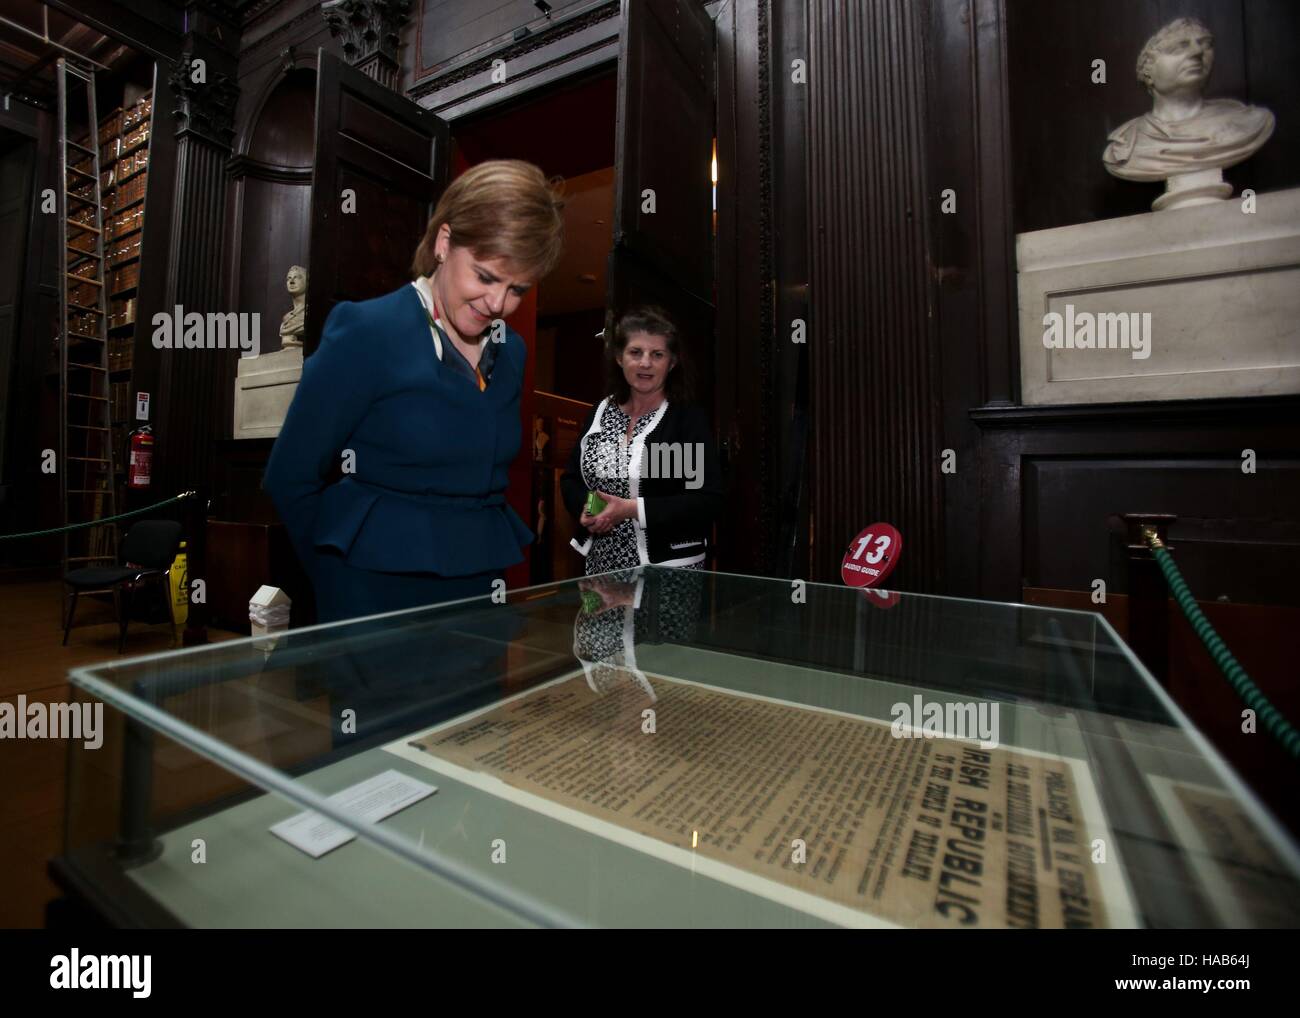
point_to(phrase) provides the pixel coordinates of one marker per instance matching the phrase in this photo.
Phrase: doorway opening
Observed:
(567, 130)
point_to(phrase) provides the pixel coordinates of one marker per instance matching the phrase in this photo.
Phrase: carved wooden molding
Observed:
(246, 166)
(205, 108)
(276, 36)
(256, 10)
(370, 30)
(533, 41)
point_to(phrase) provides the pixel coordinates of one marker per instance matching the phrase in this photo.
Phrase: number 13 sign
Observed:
(872, 556)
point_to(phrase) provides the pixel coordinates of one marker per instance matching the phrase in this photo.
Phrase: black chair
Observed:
(149, 549)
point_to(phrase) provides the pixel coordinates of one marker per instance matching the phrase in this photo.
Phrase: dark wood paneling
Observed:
(1237, 535)
(1053, 475)
(273, 237)
(664, 140)
(147, 26)
(282, 133)
(1272, 57)
(267, 215)
(366, 254)
(17, 159)
(296, 25)
(971, 253)
(665, 257)
(569, 43)
(192, 397)
(243, 557)
(193, 393)
(872, 347)
(32, 404)
(272, 185)
(740, 286)
(361, 122)
(237, 481)
(784, 232)
(447, 29)
(762, 286)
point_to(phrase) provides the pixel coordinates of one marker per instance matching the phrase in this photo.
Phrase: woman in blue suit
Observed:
(414, 398)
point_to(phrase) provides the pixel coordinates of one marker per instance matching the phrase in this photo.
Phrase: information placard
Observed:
(871, 556)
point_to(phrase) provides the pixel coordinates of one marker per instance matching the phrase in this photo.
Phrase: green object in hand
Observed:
(590, 602)
(595, 504)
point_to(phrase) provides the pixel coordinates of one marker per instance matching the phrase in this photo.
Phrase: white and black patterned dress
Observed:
(605, 465)
(665, 608)
(606, 458)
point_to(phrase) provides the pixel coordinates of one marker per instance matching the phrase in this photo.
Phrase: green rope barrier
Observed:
(1274, 723)
(100, 522)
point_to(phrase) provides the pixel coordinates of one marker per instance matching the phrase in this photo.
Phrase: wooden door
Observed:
(663, 234)
(380, 166)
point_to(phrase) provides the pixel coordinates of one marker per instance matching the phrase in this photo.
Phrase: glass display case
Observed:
(666, 748)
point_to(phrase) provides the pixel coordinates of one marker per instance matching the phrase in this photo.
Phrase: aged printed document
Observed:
(1240, 873)
(915, 831)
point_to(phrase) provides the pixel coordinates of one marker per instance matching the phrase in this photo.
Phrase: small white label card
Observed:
(370, 801)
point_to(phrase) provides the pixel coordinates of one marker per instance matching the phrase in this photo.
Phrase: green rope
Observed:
(100, 522)
(1274, 723)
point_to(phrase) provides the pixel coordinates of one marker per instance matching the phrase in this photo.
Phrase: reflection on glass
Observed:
(670, 747)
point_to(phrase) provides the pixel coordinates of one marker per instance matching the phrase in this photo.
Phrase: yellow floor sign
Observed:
(180, 583)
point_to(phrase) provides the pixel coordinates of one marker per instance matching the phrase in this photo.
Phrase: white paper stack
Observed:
(274, 617)
(268, 611)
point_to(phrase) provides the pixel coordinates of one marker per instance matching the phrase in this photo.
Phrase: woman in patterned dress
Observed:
(648, 454)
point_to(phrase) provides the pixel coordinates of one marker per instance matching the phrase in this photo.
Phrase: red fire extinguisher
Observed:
(141, 457)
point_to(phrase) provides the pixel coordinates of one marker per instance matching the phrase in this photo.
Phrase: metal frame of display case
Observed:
(869, 646)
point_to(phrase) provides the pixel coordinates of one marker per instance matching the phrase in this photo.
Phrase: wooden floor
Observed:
(32, 773)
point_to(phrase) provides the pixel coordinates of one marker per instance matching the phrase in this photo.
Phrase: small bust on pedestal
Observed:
(1185, 140)
(291, 326)
(264, 385)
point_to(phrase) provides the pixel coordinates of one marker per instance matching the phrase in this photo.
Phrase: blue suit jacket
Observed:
(431, 452)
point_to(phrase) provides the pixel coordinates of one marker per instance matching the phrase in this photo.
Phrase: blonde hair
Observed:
(503, 208)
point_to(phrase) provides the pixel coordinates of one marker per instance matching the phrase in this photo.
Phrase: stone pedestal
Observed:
(1186, 190)
(264, 388)
(1216, 287)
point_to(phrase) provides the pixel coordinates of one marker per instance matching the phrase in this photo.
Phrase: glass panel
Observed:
(671, 748)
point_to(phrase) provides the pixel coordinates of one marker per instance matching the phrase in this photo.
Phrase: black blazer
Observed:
(679, 519)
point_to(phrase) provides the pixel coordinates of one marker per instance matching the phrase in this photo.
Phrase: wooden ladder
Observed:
(87, 481)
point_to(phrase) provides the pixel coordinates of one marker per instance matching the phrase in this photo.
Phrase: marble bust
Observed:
(291, 325)
(1185, 140)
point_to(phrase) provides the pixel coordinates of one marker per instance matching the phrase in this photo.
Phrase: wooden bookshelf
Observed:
(124, 137)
